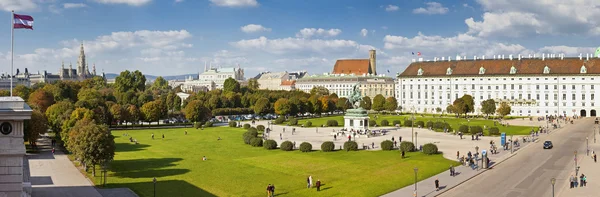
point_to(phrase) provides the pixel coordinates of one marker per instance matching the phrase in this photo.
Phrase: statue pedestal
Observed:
(14, 167)
(356, 119)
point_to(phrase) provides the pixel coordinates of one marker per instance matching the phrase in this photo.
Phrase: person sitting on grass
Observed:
(219, 138)
(203, 158)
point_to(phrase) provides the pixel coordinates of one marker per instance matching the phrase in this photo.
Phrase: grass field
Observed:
(236, 169)
(454, 122)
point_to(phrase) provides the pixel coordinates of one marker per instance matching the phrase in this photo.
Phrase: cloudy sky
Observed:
(169, 37)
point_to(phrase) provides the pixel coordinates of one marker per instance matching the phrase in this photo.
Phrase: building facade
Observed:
(532, 86)
(341, 84)
(272, 81)
(213, 78)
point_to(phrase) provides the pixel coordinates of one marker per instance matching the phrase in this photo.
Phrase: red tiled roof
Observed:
(288, 82)
(357, 67)
(502, 67)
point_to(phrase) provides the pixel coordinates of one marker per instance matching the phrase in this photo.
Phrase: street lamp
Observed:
(587, 146)
(553, 181)
(576, 169)
(154, 180)
(415, 193)
(416, 141)
(412, 122)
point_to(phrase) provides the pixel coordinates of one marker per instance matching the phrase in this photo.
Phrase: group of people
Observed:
(309, 183)
(582, 182)
(270, 190)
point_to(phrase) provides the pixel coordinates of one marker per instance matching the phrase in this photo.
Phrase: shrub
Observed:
(372, 123)
(208, 124)
(306, 147)
(197, 125)
(286, 146)
(308, 124)
(232, 124)
(429, 124)
(246, 126)
(252, 129)
(407, 146)
(430, 149)
(385, 123)
(408, 123)
(387, 145)
(420, 124)
(396, 122)
(293, 121)
(494, 131)
(270, 144)
(350, 146)
(279, 120)
(256, 142)
(332, 123)
(476, 129)
(249, 135)
(464, 129)
(260, 127)
(327, 146)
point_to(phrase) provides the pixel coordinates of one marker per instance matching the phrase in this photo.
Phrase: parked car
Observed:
(548, 145)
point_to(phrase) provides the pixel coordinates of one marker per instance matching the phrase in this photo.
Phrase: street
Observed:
(528, 173)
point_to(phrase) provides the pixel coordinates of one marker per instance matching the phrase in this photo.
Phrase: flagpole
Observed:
(12, 47)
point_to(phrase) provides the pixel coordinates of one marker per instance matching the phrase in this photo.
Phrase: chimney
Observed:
(502, 56)
(529, 56)
(519, 57)
(204, 66)
(449, 58)
(587, 56)
(580, 56)
(420, 59)
(373, 61)
(494, 56)
(435, 59)
(414, 60)
(443, 58)
(562, 56)
(510, 56)
(543, 56)
(464, 57)
(475, 57)
(483, 57)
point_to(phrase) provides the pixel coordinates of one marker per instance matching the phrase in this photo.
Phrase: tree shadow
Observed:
(42, 155)
(41, 180)
(163, 188)
(151, 173)
(135, 165)
(128, 147)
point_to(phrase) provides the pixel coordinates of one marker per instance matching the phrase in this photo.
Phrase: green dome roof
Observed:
(597, 52)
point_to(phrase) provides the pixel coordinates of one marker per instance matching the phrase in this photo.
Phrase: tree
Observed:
(343, 104)
(89, 98)
(378, 103)
(316, 106)
(450, 109)
(59, 113)
(177, 103)
(151, 111)
(139, 81)
(91, 144)
(261, 106)
(253, 84)
(159, 84)
(116, 111)
(488, 107)
(504, 109)
(77, 115)
(231, 85)
(458, 106)
(469, 104)
(134, 113)
(34, 127)
(319, 91)
(22, 91)
(391, 103)
(41, 99)
(366, 103)
(438, 109)
(326, 104)
(196, 111)
(282, 106)
(127, 80)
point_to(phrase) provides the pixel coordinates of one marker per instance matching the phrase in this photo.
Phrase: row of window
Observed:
(489, 96)
(564, 104)
(504, 86)
(504, 79)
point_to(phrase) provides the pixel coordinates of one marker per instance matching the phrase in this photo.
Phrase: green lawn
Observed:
(236, 169)
(454, 122)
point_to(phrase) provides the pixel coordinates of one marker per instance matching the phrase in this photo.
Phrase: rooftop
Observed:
(352, 66)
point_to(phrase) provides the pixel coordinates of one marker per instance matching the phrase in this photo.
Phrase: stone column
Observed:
(13, 111)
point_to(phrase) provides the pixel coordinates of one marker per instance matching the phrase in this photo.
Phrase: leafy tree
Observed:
(459, 106)
(343, 104)
(319, 91)
(469, 104)
(296, 106)
(22, 91)
(41, 99)
(152, 111)
(261, 106)
(504, 109)
(253, 84)
(134, 113)
(170, 102)
(196, 111)
(89, 98)
(391, 104)
(366, 103)
(92, 144)
(96, 82)
(77, 115)
(34, 127)
(378, 103)
(177, 103)
(488, 107)
(59, 113)
(159, 84)
(316, 106)
(139, 81)
(231, 85)
(438, 109)
(127, 80)
(282, 106)
(116, 111)
(450, 109)
(326, 104)
(4, 93)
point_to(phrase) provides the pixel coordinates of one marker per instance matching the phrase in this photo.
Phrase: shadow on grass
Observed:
(163, 188)
(128, 147)
(151, 173)
(145, 168)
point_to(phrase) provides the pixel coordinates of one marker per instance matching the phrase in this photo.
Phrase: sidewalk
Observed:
(587, 167)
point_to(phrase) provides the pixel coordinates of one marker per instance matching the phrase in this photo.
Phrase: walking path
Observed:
(587, 167)
(56, 176)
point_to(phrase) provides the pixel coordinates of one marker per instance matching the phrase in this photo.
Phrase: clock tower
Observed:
(14, 173)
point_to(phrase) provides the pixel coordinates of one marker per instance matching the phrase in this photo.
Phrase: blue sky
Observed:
(169, 37)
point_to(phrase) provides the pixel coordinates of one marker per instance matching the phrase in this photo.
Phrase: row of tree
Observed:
(465, 105)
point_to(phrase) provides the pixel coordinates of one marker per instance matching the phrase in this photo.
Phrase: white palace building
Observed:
(535, 86)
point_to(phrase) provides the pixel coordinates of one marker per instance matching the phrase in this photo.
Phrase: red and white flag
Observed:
(419, 53)
(23, 22)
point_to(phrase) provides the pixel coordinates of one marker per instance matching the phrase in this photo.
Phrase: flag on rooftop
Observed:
(413, 53)
(419, 53)
(23, 21)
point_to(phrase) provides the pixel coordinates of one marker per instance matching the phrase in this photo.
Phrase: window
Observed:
(456, 86)
(489, 96)
(426, 87)
(481, 97)
(497, 87)
(529, 96)
(504, 87)
(583, 87)
(537, 97)
(473, 86)
(520, 96)
(418, 87)
(440, 87)
(592, 87)
(573, 87)
(592, 97)
(456, 95)
(546, 87)
(546, 96)
(573, 97)
(556, 87)
(520, 87)
(564, 87)
(583, 104)
(411, 87)
(489, 87)
(449, 97)
(564, 96)
(582, 97)
(537, 87)
(555, 96)
(411, 95)
(481, 87)
(512, 86)
(426, 95)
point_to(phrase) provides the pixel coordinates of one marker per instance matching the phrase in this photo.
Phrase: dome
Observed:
(597, 52)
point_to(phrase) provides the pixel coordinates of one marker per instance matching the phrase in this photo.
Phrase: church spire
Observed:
(94, 69)
(81, 64)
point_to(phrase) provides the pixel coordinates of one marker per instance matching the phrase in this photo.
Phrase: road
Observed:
(529, 172)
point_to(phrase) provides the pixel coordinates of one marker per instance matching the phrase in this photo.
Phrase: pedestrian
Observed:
(396, 145)
(269, 190)
(185, 132)
(581, 183)
(153, 136)
(163, 135)
(294, 144)
(308, 182)
(349, 138)
(457, 154)
(284, 129)
(594, 158)
(280, 136)
(334, 137)
(272, 190)
(318, 185)
(373, 145)
(572, 182)
(400, 139)
(584, 180)
(437, 185)
(392, 138)
(451, 172)
(402, 154)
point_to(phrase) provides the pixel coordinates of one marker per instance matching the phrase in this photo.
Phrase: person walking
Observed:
(400, 139)
(437, 185)
(163, 136)
(334, 137)
(310, 183)
(318, 185)
(581, 183)
(572, 182)
(349, 138)
(395, 143)
(153, 136)
(402, 154)
(269, 190)
(392, 138)
(280, 136)
(451, 172)
(457, 154)
(272, 190)
(584, 180)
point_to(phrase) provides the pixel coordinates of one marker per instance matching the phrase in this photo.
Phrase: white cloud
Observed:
(296, 45)
(310, 32)
(235, 3)
(252, 28)
(128, 2)
(17, 5)
(384, 27)
(432, 8)
(515, 18)
(178, 1)
(74, 5)
(567, 50)
(364, 32)
(466, 5)
(391, 8)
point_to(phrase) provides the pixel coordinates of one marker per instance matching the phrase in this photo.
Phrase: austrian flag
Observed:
(23, 22)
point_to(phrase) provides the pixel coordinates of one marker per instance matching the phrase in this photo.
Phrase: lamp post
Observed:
(416, 139)
(587, 146)
(576, 169)
(511, 144)
(553, 181)
(412, 122)
(415, 193)
(154, 181)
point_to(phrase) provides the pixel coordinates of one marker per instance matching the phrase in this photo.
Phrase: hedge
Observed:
(197, 125)
(429, 124)
(350, 146)
(247, 126)
(420, 123)
(494, 131)
(231, 111)
(260, 127)
(430, 149)
(476, 129)
(249, 135)
(396, 122)
(464, 129)
(332, 123)
(208, 124)
(408, 123)
(387, 145)
(286, 146)
(252, 129)
(306, 147)
(232, 124)
(372, 123)
(407, 146)
(270, 144)
(327, 146)
(308, 124)
(279, 120)
(293, 121)
(256, 142)
(385, 123)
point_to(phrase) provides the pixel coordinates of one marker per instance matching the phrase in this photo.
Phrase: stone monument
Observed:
(14, 172)
(356, 118)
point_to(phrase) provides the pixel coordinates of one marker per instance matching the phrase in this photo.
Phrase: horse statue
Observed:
(355, 97)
